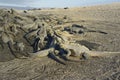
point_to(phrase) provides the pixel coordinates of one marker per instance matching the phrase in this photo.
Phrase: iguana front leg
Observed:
(72, 57)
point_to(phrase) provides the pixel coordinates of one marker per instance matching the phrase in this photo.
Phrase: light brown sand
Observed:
(103, 17)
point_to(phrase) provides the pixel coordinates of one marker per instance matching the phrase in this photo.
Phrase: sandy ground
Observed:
(104, 18)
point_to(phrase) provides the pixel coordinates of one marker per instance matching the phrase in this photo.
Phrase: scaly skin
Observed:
(77, 51)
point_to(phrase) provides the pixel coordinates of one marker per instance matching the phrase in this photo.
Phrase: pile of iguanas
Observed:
(39, 36)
